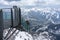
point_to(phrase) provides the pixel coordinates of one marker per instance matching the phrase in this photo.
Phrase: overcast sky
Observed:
(36, 3)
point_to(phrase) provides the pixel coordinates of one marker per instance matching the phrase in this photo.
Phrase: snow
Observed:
(23, 36)
(38, 17)
(42, 36)
(51, 14)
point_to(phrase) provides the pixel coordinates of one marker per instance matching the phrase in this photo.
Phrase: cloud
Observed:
(18, 2)
(3, 2)
(12, 0)
(30, 2)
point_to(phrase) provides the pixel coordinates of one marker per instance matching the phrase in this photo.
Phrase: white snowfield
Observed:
(23, 36)
(26, 36)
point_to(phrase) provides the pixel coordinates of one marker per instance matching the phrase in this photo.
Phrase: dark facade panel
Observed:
(1, 25)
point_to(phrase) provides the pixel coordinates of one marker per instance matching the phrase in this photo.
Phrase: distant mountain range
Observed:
(43, 15)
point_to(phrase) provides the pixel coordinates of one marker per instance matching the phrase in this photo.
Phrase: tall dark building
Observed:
(16, 15)
(1, 25)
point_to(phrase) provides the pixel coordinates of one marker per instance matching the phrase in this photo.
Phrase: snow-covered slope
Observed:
(42, 15)
(44, 24)
(23, 36)
(43, 20)
(41, 36)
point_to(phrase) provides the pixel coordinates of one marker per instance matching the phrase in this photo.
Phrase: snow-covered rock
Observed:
(23, 36)
(42, 15)
(44, 36)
